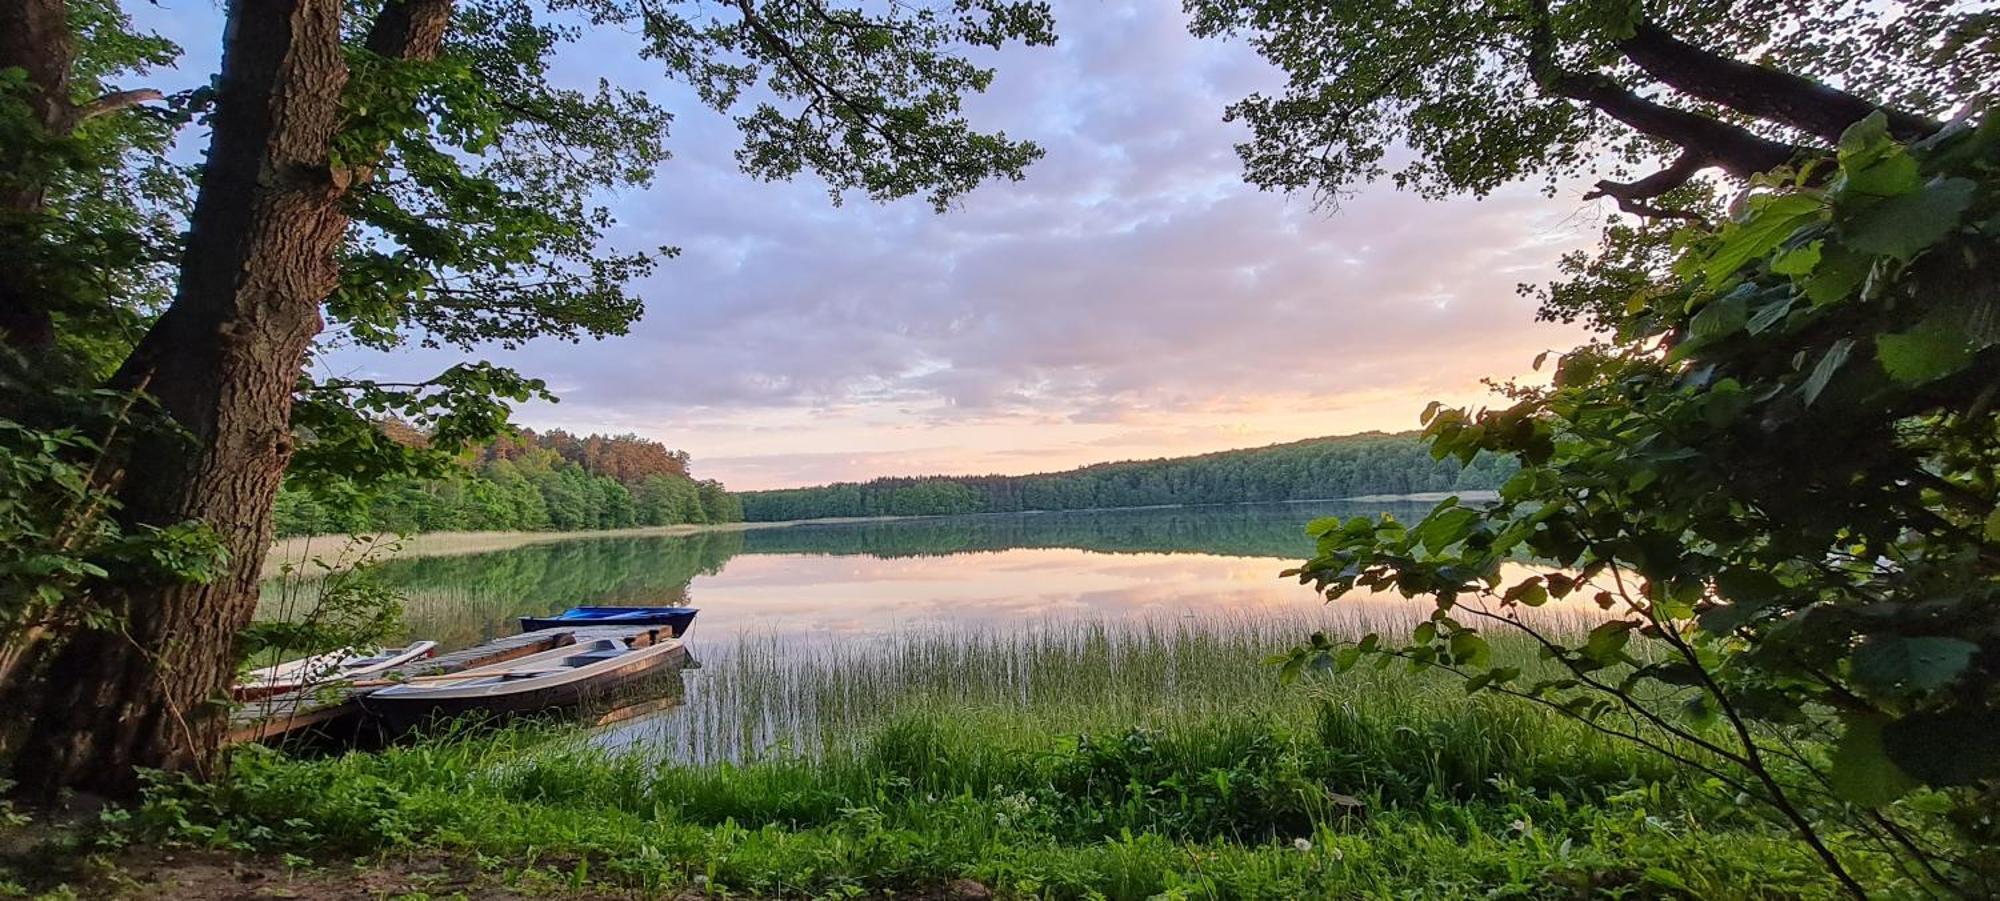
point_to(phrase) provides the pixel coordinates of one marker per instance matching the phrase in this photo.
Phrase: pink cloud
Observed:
(1131, 298)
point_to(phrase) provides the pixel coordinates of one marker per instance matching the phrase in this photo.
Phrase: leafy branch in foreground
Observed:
(1782, 485)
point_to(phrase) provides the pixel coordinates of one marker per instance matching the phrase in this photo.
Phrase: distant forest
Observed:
(1317, 468)
(530, 482)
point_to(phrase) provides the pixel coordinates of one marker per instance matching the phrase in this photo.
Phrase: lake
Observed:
(879, 577)
(809, 634)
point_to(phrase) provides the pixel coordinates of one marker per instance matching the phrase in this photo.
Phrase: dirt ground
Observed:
(50, 859)
(212, 876)
(183, 875)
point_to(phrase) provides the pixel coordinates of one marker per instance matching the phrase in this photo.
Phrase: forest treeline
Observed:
(532, 481)
(1316, 468)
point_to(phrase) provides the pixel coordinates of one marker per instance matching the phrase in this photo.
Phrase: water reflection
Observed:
(813, 632)
(849, 578)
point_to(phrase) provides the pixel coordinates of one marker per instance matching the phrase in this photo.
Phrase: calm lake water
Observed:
(874, 578)
(811, 634)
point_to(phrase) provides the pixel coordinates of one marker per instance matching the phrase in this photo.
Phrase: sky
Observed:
(1131, 298)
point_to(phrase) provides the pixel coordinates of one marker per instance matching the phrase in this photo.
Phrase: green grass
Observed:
(1068, 761)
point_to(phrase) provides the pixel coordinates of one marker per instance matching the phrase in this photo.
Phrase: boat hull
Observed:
(404, 712)
(327, 669)
(676, 619)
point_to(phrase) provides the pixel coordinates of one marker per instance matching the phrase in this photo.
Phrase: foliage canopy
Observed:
(1786, 474)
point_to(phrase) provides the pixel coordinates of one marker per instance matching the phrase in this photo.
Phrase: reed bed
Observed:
(777, 694)
(1065, 759)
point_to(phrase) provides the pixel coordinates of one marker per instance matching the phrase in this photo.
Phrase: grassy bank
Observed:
(1068, 761)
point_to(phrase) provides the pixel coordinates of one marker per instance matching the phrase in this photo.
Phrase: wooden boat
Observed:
(557, 679)
(676, 618)
(344, 665)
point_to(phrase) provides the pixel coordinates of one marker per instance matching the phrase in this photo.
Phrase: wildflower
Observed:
(1303, 844)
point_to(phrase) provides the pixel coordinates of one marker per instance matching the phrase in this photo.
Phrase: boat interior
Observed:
(596, 651)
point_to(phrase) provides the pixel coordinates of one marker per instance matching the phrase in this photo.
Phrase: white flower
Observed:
(1303, 844)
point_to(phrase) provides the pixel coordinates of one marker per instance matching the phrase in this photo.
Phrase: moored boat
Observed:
(344, 665)
(676, 618)
(558, 679)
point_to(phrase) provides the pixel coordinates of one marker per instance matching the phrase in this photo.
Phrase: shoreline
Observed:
(340, 552)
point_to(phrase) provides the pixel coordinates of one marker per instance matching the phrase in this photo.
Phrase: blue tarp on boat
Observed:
(676, 618)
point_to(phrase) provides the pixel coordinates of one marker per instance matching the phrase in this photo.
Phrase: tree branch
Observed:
(113, 102)
(410, 30)
(404, 31)
(870, 115)
(1736, 150)
(1632, 196)
(1754, 90)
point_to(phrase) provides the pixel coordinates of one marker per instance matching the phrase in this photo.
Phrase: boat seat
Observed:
(530, 673)
(588, 657)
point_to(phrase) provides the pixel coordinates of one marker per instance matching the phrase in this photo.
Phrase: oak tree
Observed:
(403, 171)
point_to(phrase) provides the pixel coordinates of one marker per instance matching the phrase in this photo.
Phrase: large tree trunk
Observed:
(35, 38)
(222, 362)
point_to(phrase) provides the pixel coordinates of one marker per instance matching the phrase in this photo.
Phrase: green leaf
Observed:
(1608, 640)
(1836, 356)
(1910, 664)
(1865, 141)
(1862, 771)
(1773, 218)
(1294, 665)
(1323, 525)
(1666, 878)
(1444, 528)
(1470, 650)
(1799, 260)
(1926, 353)
(1993, 526)
(1837, 276)
(1722, 317)
(1744, 584)
(1891, 176)
(1905, 225)
(1871, 162)
(1532, 594)
(1768, 316)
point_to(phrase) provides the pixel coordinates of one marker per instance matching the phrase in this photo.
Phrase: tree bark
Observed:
(1704, 141)
(1737, 151)
(1769, 94)
(34, 37)
(1632, 197)
(223, 362)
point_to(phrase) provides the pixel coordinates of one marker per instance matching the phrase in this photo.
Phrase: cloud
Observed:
(1131, 297)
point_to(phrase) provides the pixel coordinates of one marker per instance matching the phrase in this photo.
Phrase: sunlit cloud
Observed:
(1132, 298)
